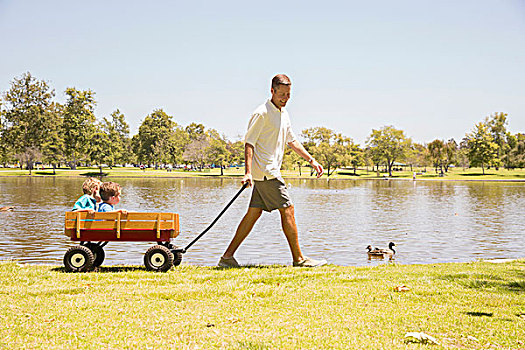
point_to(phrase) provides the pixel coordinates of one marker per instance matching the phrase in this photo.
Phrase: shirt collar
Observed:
(272, 106)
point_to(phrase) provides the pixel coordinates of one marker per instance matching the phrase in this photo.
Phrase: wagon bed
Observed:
(95, 230)
(154, 227)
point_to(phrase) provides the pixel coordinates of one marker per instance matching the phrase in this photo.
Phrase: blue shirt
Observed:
(105, 207)
(85, 202)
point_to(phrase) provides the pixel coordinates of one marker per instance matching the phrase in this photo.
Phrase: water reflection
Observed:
(337, 219)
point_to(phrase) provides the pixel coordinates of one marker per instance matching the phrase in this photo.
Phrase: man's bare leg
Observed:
(290, 231)
(243, 230)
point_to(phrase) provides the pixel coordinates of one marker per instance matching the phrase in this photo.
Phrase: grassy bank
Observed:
(476, 306)
(429, 174)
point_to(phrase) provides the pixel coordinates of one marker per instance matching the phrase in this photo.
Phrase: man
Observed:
(268, 132)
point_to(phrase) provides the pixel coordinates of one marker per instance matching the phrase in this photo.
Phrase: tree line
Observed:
(36, 128)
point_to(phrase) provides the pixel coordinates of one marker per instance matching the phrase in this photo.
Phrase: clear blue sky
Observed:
(431, 68)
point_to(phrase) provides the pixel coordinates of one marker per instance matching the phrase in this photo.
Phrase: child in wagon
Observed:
(110, 194)
(88, 202)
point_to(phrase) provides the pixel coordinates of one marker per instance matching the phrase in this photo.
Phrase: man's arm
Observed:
(248, 156)
(299, 149)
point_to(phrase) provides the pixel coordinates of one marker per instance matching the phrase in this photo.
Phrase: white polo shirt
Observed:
(269, 131)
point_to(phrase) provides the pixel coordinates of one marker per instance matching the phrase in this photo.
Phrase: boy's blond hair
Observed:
(109, 189)
(90, 185)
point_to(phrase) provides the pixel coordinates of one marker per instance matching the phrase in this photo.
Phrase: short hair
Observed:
(280, 79)
(109, 189)
(90, 185)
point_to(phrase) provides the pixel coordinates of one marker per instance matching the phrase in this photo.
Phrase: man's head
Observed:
(281, 87)
(110, 192)
(91, 186)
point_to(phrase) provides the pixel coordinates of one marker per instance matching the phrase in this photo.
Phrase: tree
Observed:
(118, 141)
(497, 124)
(330, 149)
(217, 151)
(53, 147)
(235, 152)
(516, 154)
(195, 131)
(196, 151)
(150, 143)
(27, 117)
(388, 144)
(418, 155)
(482, 150)
(78, 124)
(101, 149)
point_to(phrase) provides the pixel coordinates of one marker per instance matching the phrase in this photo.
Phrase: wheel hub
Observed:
(157, 259)
(78, 260)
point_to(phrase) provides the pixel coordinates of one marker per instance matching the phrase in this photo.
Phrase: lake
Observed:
(430, 221)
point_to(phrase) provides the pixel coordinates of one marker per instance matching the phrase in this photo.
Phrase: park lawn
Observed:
(469, 305)
(430, 174)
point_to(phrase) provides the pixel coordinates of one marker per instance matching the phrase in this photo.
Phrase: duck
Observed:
(7, 208)
(381, 253)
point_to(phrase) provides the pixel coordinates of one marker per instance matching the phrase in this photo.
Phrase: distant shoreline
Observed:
(200, 176)
(469, 175)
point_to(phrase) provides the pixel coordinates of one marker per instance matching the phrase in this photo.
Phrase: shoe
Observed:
(228, 262)
(309, 262)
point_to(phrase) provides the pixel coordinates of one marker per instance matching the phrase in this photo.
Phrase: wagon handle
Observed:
(214, 221)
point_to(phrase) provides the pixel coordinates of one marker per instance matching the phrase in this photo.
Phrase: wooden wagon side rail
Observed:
(84, 226)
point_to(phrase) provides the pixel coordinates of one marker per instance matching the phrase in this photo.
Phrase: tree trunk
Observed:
(222, 172)
(299, 165)
(54, 167)
(100, 168)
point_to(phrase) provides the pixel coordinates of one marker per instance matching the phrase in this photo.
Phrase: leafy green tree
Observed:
(355, 155)
(149, 144)
(437, 152)
(497, 124)
(118, 141)
(388, 144)
(53, 148)
(418, 156)
(482, 150)
(27, 117)
(330, 149)
(235, 152)
(218, 153)
(178, 142)
(516, 154)
(78, 125)
(195, 131)
(101, 149)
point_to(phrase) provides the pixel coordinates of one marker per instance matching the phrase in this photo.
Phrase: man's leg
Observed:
(290, 231)
(243, 230)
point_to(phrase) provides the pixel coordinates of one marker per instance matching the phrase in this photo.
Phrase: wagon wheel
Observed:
(98, 253)
(177, 256)
(78, 259)
(158, 258)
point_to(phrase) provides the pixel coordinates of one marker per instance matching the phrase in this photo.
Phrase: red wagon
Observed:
(94, 230)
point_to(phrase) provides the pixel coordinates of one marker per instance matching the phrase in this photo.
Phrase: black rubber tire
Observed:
(158, 258)
(177, 257)
(79, 259)
(98, 253)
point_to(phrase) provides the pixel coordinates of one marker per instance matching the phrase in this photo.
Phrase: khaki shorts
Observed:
(270, 195)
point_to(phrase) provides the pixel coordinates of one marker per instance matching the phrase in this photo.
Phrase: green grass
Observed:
(474, 306)
(430, 174)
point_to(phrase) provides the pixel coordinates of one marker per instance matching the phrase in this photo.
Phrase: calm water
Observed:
(428, 221)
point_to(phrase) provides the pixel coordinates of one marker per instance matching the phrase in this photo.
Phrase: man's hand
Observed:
(248, 179)
(123, 211)
(317, 167)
